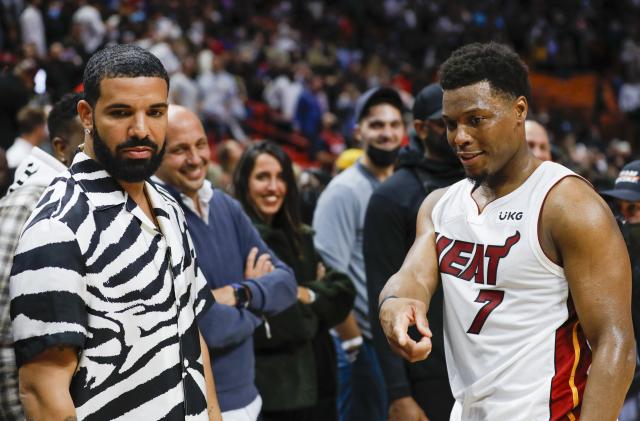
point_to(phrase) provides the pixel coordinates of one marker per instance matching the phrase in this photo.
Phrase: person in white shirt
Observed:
(32, 128)
(32, 27)
(92, 28)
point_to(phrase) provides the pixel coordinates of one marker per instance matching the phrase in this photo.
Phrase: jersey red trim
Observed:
(572, 361)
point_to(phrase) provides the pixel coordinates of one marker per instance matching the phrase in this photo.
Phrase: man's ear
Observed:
(356, 134)
(521, 107)
(59, 147)
(85, 112)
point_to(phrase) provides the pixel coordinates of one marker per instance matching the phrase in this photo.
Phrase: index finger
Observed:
(251, 258)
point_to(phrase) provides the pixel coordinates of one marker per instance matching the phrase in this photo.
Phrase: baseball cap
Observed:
(428, 103)
(381, 94)
(627, 186)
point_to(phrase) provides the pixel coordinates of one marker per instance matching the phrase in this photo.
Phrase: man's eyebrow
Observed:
(471, 110)
(116, 105)
(159, 105)
(120, 105)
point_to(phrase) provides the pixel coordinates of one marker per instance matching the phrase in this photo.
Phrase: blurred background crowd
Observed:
(291, 70)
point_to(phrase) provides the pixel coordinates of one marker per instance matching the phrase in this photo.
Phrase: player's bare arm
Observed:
(406, 296)
(579, 232)
(44, 385)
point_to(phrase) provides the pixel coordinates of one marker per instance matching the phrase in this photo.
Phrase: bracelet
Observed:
(388, 297)
(352, 343)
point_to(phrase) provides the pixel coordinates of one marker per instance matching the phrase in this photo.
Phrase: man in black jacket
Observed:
(419, 390)
(626, 195)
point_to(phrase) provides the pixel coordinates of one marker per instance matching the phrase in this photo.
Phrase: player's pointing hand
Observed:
(396, 316)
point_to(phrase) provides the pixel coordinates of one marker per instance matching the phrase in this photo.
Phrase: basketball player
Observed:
(535, 274)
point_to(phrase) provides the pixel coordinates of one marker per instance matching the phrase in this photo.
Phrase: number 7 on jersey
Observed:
(492, 298)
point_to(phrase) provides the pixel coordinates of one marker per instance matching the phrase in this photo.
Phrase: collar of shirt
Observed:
(204, 197)
(104, 192)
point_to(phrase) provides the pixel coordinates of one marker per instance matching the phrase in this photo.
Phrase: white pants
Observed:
(248, 413)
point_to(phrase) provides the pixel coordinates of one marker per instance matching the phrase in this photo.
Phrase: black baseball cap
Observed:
(379, 95)
(627, 186)
(428, 103)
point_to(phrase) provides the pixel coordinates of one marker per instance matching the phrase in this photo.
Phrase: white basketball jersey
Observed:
(514, 347)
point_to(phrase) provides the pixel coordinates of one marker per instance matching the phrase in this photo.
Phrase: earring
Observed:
(63, 160)
(87, 131)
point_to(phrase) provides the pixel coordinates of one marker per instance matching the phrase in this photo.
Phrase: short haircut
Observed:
(62, 116)
(496, 63)
(121, 60)
(29, 118)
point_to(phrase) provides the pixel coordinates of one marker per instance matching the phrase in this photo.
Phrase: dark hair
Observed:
(29, 118)
(61, 116)
(122, 60)
(496, 63)
(288, 217)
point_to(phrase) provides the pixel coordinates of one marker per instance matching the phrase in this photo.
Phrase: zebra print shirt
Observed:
(92, 271)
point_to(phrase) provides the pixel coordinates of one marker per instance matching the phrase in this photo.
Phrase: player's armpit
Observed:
(586, 240)
(44, 384)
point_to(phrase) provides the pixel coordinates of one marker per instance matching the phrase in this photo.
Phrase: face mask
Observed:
(382, 158)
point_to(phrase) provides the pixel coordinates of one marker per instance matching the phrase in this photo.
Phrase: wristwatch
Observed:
(242, 294)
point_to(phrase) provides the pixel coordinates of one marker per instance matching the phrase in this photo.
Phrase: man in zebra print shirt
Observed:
(105, 288)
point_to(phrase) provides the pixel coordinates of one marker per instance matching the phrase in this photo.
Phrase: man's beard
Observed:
(477, 180)
(127, 170)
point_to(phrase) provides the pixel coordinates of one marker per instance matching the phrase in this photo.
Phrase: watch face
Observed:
(242, 298)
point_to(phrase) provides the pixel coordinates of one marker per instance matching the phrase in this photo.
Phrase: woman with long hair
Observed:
(295, 357)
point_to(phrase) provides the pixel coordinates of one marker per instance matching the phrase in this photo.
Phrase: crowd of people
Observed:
(218, 192)
(291, 71)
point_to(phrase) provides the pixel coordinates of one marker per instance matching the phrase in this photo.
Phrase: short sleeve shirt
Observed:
(93, 272)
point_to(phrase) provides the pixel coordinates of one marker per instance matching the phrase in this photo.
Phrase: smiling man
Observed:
(537, 321)
(105, 289)
(339, 223)
(246, 278)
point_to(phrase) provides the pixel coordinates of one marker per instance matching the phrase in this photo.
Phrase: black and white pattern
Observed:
(92, 271)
